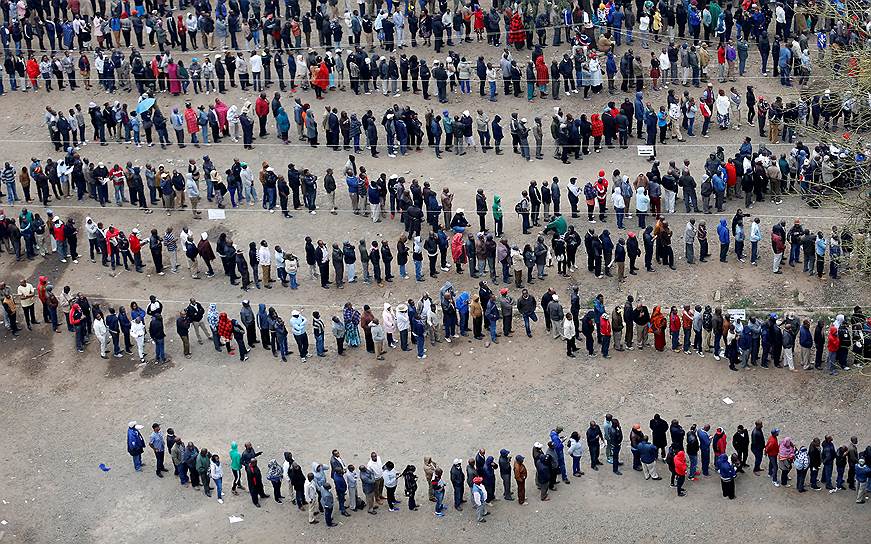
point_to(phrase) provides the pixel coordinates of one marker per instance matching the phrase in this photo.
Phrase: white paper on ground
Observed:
(727, 400)
(217, 214)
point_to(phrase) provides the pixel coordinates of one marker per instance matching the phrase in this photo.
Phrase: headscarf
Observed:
(657, 319)
(787, 450)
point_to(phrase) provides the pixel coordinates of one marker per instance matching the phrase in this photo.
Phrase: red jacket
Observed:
(731, 175)
(261, 107)
(686, 318)
(135, 245)
(771, 447)
(680, 463)
(75, 314)
(605, 326)
(833, 342)
(674, 323)
(598, 128)
(542, 74)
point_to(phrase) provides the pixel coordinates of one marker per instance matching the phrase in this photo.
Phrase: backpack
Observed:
(518, 208)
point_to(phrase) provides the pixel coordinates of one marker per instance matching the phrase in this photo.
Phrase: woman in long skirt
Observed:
(352, 320)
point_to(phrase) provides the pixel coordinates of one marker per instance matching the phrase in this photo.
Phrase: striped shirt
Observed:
(170, 241)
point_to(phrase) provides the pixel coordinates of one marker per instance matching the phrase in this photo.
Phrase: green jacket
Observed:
(497, 207)
(235, 457)
(203, 463)
(559, 225)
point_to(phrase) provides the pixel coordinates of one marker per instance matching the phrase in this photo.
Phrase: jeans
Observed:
(615, 455)
(694, 464)
(772, 467)
(758, 462)
(218, 487)
(440, 501)
(137, 462)
(827, 475)
(159, 352)
(319, 345)
(526, 319)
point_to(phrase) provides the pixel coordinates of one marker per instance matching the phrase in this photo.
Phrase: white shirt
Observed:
(264, 256)
(256, 64)
(643, 22)
(376, 467)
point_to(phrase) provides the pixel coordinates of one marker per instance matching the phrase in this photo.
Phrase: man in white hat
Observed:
(135, 444)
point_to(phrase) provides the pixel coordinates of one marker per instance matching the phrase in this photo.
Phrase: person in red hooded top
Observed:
(542, 76)
(261, 109)
(833, 343)
(597, 130)
(458, 250)
(32, 69)
(320, 78)
(602, 194)
(680, 468)
(719, 442)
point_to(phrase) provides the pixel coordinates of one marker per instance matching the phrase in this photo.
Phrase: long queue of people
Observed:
(433, 223)
(785, 341)
(261, 33)
(687, 454)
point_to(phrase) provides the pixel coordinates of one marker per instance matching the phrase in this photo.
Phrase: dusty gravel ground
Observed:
(64, 414)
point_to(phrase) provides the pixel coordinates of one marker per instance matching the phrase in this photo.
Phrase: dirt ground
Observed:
(64, 414)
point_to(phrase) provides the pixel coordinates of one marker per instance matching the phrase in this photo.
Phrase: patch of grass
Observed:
(742, 303)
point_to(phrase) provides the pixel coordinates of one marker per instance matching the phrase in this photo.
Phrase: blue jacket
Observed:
(745, 341)
(725, 468)
(704, 440)
(557, 442)
(462, 302)
(375, 196)
(723, 232)
(639, 105)
(805, 337)
(135, 442)
(647, 452)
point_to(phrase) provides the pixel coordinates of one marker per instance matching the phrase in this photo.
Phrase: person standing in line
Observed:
(255, 482)
(479, 497)
(367, 479)
(311, 497)
(236, 467)
(680, 468)
(135, 444)
(505, 473)
(216, 473)
(520, 475)
(155, 441)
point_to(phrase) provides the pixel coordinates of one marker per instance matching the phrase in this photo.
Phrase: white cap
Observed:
(537, 445)
(556, 298)
(458, 461)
